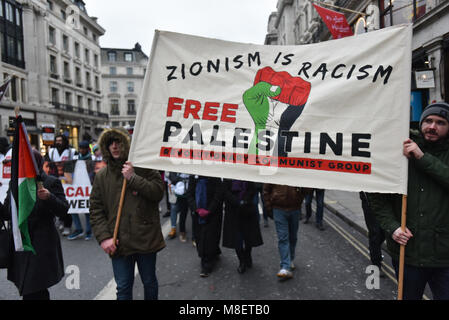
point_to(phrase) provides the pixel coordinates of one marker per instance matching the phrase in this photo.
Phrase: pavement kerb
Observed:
(335, 209)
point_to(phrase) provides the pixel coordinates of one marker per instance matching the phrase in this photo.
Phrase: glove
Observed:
(202, 212)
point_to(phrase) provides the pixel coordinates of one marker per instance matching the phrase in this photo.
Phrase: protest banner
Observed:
(76, 177)
(329, 115)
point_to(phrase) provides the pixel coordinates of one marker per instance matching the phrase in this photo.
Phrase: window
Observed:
(97, 83)
(131, 107)
(53, 65)
(10, 47)
(128, 57)
(50, 5)
(68, 98)
(80, 101)
(23, 90)
(63, 15)
(19, 50)
(18, 18)
(13, 85)
(11, 34)
(87, 55)
(86, 32)
(52, 35)
(9, 10)
(66, 70)
(98, 106)
(77, 50)
(129, 71)
(130, 86)
(113, 86)
(96, 60)
(65, 43)
(115, 107)
(112, 56)
(78, 76)
(89, 104)
(112, 71)
(54, 95)
(88, 81)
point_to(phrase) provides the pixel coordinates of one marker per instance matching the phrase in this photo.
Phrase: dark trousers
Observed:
(319, 194)
(40, 295)
(243, 251)
(376, 235)
(416, 278)
(67, 221)
(123, 268)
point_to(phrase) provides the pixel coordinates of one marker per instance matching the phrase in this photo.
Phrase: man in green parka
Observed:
(139, 236)
(426, 237)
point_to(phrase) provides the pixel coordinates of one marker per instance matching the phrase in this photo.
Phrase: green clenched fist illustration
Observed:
(257, 103)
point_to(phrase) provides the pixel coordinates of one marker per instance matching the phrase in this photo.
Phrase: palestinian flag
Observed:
(23, 186)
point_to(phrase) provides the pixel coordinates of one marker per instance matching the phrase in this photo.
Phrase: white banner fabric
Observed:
(329, 115)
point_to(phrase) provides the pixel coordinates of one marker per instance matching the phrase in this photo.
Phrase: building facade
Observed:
(123, 74)
(59, 81)
(296, 22)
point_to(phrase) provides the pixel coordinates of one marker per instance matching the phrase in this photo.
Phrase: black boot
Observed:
(242, 265)
(248, 258)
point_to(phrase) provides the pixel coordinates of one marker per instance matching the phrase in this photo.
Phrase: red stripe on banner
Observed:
(268, 161)
(26, 164)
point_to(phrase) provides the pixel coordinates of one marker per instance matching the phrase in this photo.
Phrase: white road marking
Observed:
(109, 291)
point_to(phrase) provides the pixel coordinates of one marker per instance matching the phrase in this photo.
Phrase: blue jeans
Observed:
(78, 226)
(319, 194)
(181, 206)
(287, 224)
(416, 278)
(123, 268)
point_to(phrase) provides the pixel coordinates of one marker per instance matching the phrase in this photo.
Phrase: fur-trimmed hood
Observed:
(105, 140)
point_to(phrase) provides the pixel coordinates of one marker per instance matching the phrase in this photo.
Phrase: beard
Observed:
(60, 148)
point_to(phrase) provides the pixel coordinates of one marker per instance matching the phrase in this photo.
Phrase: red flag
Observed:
(335, 22)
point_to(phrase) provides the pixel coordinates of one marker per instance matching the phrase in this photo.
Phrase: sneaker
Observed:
(88, 237)
(75, 235)
(292, 266)
(204, 273)
(284, 274)
(306, 221)
(66, 232)
(182, 237)
(194, 243)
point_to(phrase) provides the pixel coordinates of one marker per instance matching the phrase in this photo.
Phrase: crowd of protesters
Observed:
(227, 211)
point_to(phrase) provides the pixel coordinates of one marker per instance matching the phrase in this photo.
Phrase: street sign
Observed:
(48, 134)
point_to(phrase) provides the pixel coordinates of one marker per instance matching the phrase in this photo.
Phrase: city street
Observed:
(331, 265)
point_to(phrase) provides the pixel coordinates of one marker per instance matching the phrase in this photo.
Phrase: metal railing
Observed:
(79, 110)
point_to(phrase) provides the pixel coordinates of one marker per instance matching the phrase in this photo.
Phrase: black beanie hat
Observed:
(439, 109)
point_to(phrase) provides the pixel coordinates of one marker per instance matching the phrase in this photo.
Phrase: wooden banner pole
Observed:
(119, 212)
(402, 249)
